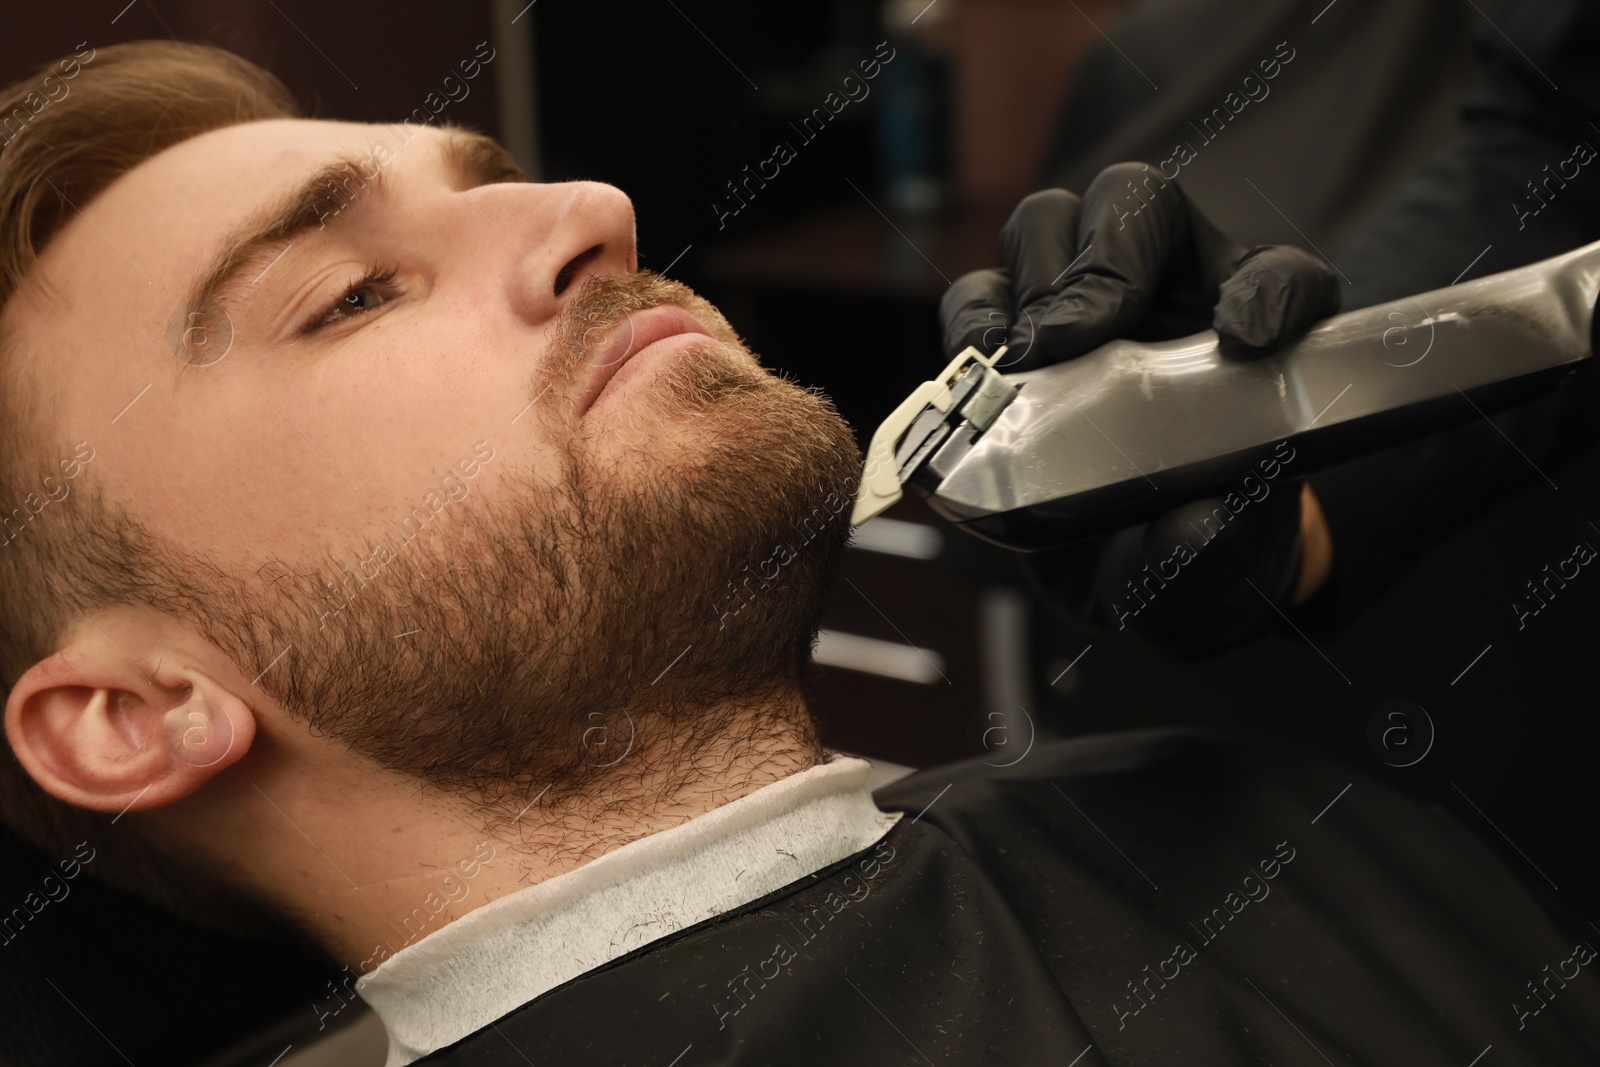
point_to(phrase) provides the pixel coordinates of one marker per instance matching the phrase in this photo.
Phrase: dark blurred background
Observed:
(832, 269)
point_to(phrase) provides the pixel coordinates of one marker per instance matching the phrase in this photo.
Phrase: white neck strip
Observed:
(496, 958)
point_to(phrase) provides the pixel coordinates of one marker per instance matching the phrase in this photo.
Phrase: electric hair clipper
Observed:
(1122, 434)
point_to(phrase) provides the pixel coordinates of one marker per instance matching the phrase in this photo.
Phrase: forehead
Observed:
(157, 224)
(175, 207)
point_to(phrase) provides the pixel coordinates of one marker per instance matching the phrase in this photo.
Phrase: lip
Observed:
(638, 331)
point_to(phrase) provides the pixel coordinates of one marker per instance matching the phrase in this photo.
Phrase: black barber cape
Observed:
(1168, 897)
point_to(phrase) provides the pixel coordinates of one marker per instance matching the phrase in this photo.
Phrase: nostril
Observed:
(576, 263)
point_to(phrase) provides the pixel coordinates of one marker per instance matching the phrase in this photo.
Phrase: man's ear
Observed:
(96, 730)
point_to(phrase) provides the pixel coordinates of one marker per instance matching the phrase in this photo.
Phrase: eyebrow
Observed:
(333, 192)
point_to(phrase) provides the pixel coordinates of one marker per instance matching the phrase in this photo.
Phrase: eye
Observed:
(367, 293)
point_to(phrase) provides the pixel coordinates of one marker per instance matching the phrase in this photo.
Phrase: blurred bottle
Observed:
(914, 118)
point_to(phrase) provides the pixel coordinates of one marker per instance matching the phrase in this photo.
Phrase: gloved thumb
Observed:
(1204, 575)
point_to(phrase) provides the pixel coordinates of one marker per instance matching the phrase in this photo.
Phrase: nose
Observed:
(554, 234)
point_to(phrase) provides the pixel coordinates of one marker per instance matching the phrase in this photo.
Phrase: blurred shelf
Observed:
(853, 249)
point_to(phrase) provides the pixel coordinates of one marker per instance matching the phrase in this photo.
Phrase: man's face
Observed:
(401, 465)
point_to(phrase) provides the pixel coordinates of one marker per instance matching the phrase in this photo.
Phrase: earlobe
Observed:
(102, 735)
(203, 735)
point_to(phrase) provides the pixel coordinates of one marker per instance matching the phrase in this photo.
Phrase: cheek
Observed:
(247, 462)
(208, 463)
(422, 397)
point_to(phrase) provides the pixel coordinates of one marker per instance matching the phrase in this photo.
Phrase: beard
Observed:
(574, 637)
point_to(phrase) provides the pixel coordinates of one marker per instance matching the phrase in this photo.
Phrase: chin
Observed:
(712, 374)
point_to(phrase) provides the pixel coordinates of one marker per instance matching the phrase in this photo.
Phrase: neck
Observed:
(400, 861)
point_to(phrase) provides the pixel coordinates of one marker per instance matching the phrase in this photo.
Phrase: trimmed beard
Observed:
(583, 638)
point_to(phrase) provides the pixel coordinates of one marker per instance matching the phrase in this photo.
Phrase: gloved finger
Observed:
(1218, 539)
(1185, 299)
(976, 310)
(1275, 295)
(1039, 242)
(1133, 225)
(1207, 573)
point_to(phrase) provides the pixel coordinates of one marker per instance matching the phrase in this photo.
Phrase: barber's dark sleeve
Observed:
(1472, 207)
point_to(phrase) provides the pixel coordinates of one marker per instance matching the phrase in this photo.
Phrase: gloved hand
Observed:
(1134, 258)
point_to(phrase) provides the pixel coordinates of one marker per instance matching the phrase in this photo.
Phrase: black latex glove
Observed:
(1199, 579)
(1134, 258)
